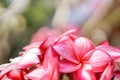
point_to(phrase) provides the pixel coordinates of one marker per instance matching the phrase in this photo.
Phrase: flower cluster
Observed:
(66, 55)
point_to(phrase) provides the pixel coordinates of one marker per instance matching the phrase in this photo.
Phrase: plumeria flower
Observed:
(81, 58)
(32, 57)
(49, 69)
(66, 54)
(20, 65)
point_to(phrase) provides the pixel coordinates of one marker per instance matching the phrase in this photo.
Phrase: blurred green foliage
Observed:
(39, 13)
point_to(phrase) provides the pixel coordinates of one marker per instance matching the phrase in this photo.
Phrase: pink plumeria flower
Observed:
(80, 57)
(20, 64)
(49, 69)
(66, 54)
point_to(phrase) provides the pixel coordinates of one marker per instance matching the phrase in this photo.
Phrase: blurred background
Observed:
(26, 21)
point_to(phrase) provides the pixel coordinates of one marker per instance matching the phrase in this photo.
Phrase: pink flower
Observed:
(38, 56)
(49, 69)
(19, 66)
(67, 54)
(80, 57)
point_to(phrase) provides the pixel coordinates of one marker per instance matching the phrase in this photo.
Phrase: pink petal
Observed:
(104, 43)
(46, 43)
(117, 74)
(82, 46)
(99, 59)
(107, 74)
(15, 74)
(72, 31)
(16, 59)
(32, 45)
(116, 78)
(49, 72)
(68, 67)
(66, 50)
(6, 78)
(7, 69)
(2, 66)
(53, 69)
(30, 58)
(55, 74)
(49, 57)
(36, 51)
(72, 36)
(64, 36)
(112, 51)
(84, 73)
(43, 74)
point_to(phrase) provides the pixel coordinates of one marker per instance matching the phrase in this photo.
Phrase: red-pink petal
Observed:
(112, 51)
(107, 74)
(46, 43)
(49, 72)
(66, 50)
(72, 36)
(30, 58)
(66, 35)
(62, 39)
(84, 73)
(104, 43)
(6, 78)
(7, 69)
(117, 65)
(82, 46)
(68, 67)
(55, 74)
(49, 69)
(15, 74)
(99, 59)
(49, 57)
(38, 74)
